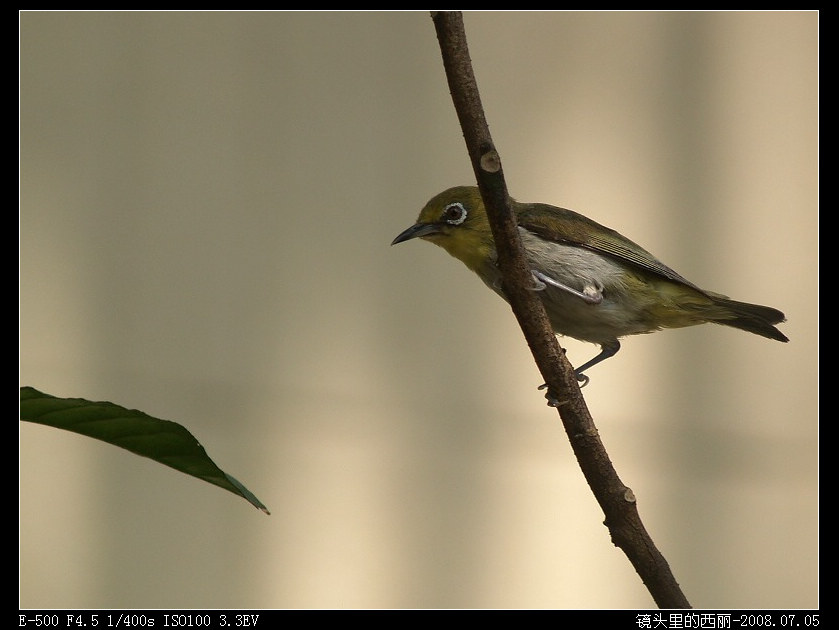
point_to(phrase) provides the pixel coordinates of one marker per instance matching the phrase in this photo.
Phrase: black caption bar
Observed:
(212, 619)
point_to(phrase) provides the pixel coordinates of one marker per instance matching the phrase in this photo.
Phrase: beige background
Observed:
(206, 206)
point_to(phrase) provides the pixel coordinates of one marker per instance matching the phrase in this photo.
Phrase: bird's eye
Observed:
(454, 213)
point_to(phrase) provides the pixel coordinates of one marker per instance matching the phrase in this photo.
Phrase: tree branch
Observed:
(616, 500)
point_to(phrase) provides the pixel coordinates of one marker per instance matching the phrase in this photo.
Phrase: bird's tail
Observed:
(754, 318)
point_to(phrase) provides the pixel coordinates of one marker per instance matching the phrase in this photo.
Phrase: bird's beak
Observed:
(416, 231)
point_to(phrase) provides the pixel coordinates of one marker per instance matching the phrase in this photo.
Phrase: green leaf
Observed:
(163, 441)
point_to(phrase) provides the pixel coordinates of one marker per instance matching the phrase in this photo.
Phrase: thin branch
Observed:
(616, 500)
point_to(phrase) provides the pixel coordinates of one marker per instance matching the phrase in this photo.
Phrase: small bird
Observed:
(596, 284)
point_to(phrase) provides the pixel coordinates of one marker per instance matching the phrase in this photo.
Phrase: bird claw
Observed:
(538, 285)
(590, 294)
(553, 401)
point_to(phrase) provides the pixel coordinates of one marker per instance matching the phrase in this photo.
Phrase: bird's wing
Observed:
(571, 228)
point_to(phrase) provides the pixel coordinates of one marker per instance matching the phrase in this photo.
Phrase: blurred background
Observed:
(207, 202)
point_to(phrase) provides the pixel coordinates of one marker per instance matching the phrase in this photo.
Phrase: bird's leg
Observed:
(608, 349)
(591, 294)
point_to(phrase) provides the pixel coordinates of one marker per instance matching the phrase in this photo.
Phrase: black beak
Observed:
(416, 231)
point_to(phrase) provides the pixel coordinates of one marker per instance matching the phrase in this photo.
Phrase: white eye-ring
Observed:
(454, 213)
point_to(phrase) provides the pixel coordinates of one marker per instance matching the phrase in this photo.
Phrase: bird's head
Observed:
(456, 220)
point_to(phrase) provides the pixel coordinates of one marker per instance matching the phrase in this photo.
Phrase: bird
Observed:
(596, 285)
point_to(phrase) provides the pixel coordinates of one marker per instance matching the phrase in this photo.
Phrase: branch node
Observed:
(491, 161)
